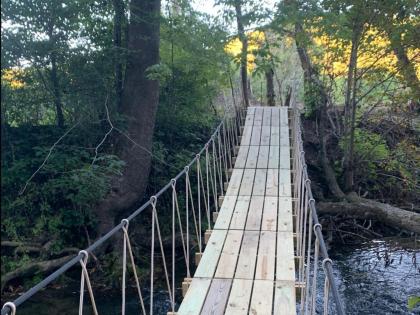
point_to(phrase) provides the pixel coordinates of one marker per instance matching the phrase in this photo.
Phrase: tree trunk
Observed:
(406, 68)
(32, 268)
(288, 96)
(360, 208)
(269, 75)
(139, 106)
(244, 52)
(118, 62)
(54, 75)
(319, 92)
(350, 111)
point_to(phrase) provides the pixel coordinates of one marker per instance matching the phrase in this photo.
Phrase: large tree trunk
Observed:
(350, 111)
(361, 208)
(56, 91)
(319, 91)
(118, 62)
(269, 75)
(405, 66)
(32, 268)
(139, 105)
(244, 52)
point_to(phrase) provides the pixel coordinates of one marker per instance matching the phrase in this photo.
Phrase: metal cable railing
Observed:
(190, 198)
(207, 171)
(307, 226)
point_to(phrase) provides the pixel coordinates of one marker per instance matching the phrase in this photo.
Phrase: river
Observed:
(374, 277)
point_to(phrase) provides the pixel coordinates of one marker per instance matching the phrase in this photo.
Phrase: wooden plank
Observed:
(247, 182)
(284, 136)
(258, 116)
(239, 297)
(269, 219)
(260, 182)
(272, 184)
(275, 135)
(242, 156)
(266, 256)
(208, 262)
(275, 116)
(285, 215)
(284, 116)
(262, 298)
(274, 156)
(285, 158)
(246, 135)
(251, 110)
(249, 120)
(194, 299)
(240, 213)
(256, 135)
(217, 297)
(248, 255)
(285, 189)
(285, 268)
(285, 298)
(251, 161)
(263, 155)
(265, 135)
(229, 257)
(225, 213)
(235, 182)
(267, 116)
(253, 221)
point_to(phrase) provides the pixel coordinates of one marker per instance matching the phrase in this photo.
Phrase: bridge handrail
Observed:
(234, 112)
(301, 166)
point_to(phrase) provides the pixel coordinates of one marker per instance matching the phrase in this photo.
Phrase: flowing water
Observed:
(375, 277)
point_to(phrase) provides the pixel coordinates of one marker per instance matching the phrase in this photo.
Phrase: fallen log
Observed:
(361, 208)
(33, 268)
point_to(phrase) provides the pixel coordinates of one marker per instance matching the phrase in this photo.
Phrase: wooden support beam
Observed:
(221, 198)
(185, 285)
(198, 258)
(207, 235)
(215, 214)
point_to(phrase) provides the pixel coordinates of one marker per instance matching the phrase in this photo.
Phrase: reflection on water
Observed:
(376, 277)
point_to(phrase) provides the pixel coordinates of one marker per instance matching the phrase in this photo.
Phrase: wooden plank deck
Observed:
(248, 264)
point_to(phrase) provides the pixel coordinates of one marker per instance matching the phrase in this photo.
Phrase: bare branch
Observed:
(47, 157)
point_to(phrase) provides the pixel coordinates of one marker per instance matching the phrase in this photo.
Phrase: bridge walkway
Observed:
(248, 265)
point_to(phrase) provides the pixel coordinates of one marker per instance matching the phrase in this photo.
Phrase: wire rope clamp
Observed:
(9, 307)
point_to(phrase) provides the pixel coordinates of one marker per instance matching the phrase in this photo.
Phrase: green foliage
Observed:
(413, 301)
(55, 203)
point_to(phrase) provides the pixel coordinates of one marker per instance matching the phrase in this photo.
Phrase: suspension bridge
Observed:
(244, 206)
